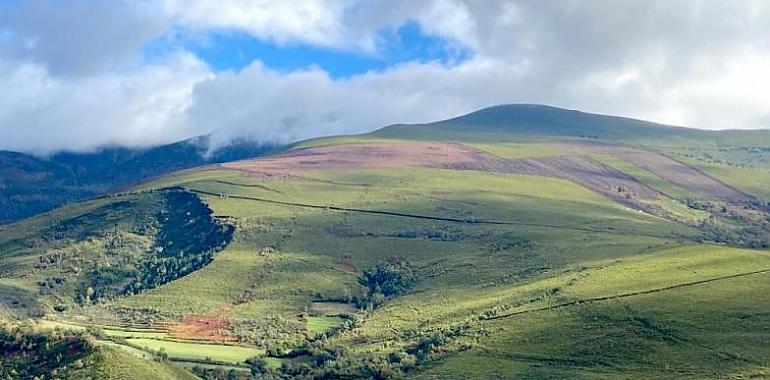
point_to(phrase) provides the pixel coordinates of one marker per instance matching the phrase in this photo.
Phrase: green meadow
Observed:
(187, 351)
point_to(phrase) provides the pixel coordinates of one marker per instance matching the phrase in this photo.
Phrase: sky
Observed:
(80, 74)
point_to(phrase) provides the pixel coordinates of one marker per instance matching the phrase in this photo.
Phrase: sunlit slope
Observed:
(740, 158)
(310, 243)
(692, 312)
(97, 251)
(557, 243)
(113, 364)
(499, 257)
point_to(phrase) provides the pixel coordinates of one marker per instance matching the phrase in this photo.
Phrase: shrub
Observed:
(389, 278)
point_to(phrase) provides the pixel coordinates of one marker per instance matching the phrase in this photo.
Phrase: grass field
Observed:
(322, 324)
(646, 177)
(148, 344)
(753, 180)
(184, 350)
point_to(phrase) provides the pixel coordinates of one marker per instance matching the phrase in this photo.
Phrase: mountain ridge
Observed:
(30, 184)
(531, 120)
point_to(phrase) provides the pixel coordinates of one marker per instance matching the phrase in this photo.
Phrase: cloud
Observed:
(264, 104)
(79, 37)
(144, 107)
(269, 106)
(697, 63)
(316, 22)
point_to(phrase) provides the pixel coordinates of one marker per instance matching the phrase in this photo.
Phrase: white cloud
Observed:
(79, 37)
(145, 106)
(309, 21)
(451, 19)
(266, 105)
(733, 97)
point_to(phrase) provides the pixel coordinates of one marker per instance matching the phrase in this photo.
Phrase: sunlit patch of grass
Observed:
(323, 323)
(184, 350)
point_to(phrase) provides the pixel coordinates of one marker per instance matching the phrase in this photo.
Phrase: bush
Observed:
(258, 366)
(389, 278)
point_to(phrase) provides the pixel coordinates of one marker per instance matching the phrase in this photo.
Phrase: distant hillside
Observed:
(30, 185)
(531, 121)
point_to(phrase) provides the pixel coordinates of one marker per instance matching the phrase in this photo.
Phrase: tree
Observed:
(392, 277)
(258, 366)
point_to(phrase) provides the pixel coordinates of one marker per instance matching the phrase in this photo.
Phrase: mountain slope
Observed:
(60, 355)
(471, 249)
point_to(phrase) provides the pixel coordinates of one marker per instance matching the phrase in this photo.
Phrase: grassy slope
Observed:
(559, 256)
(514, 287)
(181, 350)
(109, 364)
(700, 331)
(462, 278)
(754, 180)
(307, 243)
(465, 277)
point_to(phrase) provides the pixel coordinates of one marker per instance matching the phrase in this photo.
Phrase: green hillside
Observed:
(517, 242)
(61, 355)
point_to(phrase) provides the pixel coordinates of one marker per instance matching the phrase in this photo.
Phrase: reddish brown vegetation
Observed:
(592, 174)
(362, 156)
(574, 163)
(347, 264)
(214, 328)
(685, 176)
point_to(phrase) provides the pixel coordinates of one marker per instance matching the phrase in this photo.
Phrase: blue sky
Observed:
(234, 50)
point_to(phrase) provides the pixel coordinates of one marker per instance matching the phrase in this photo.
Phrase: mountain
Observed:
(533, 121)
(515, 242)
(30, 185)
